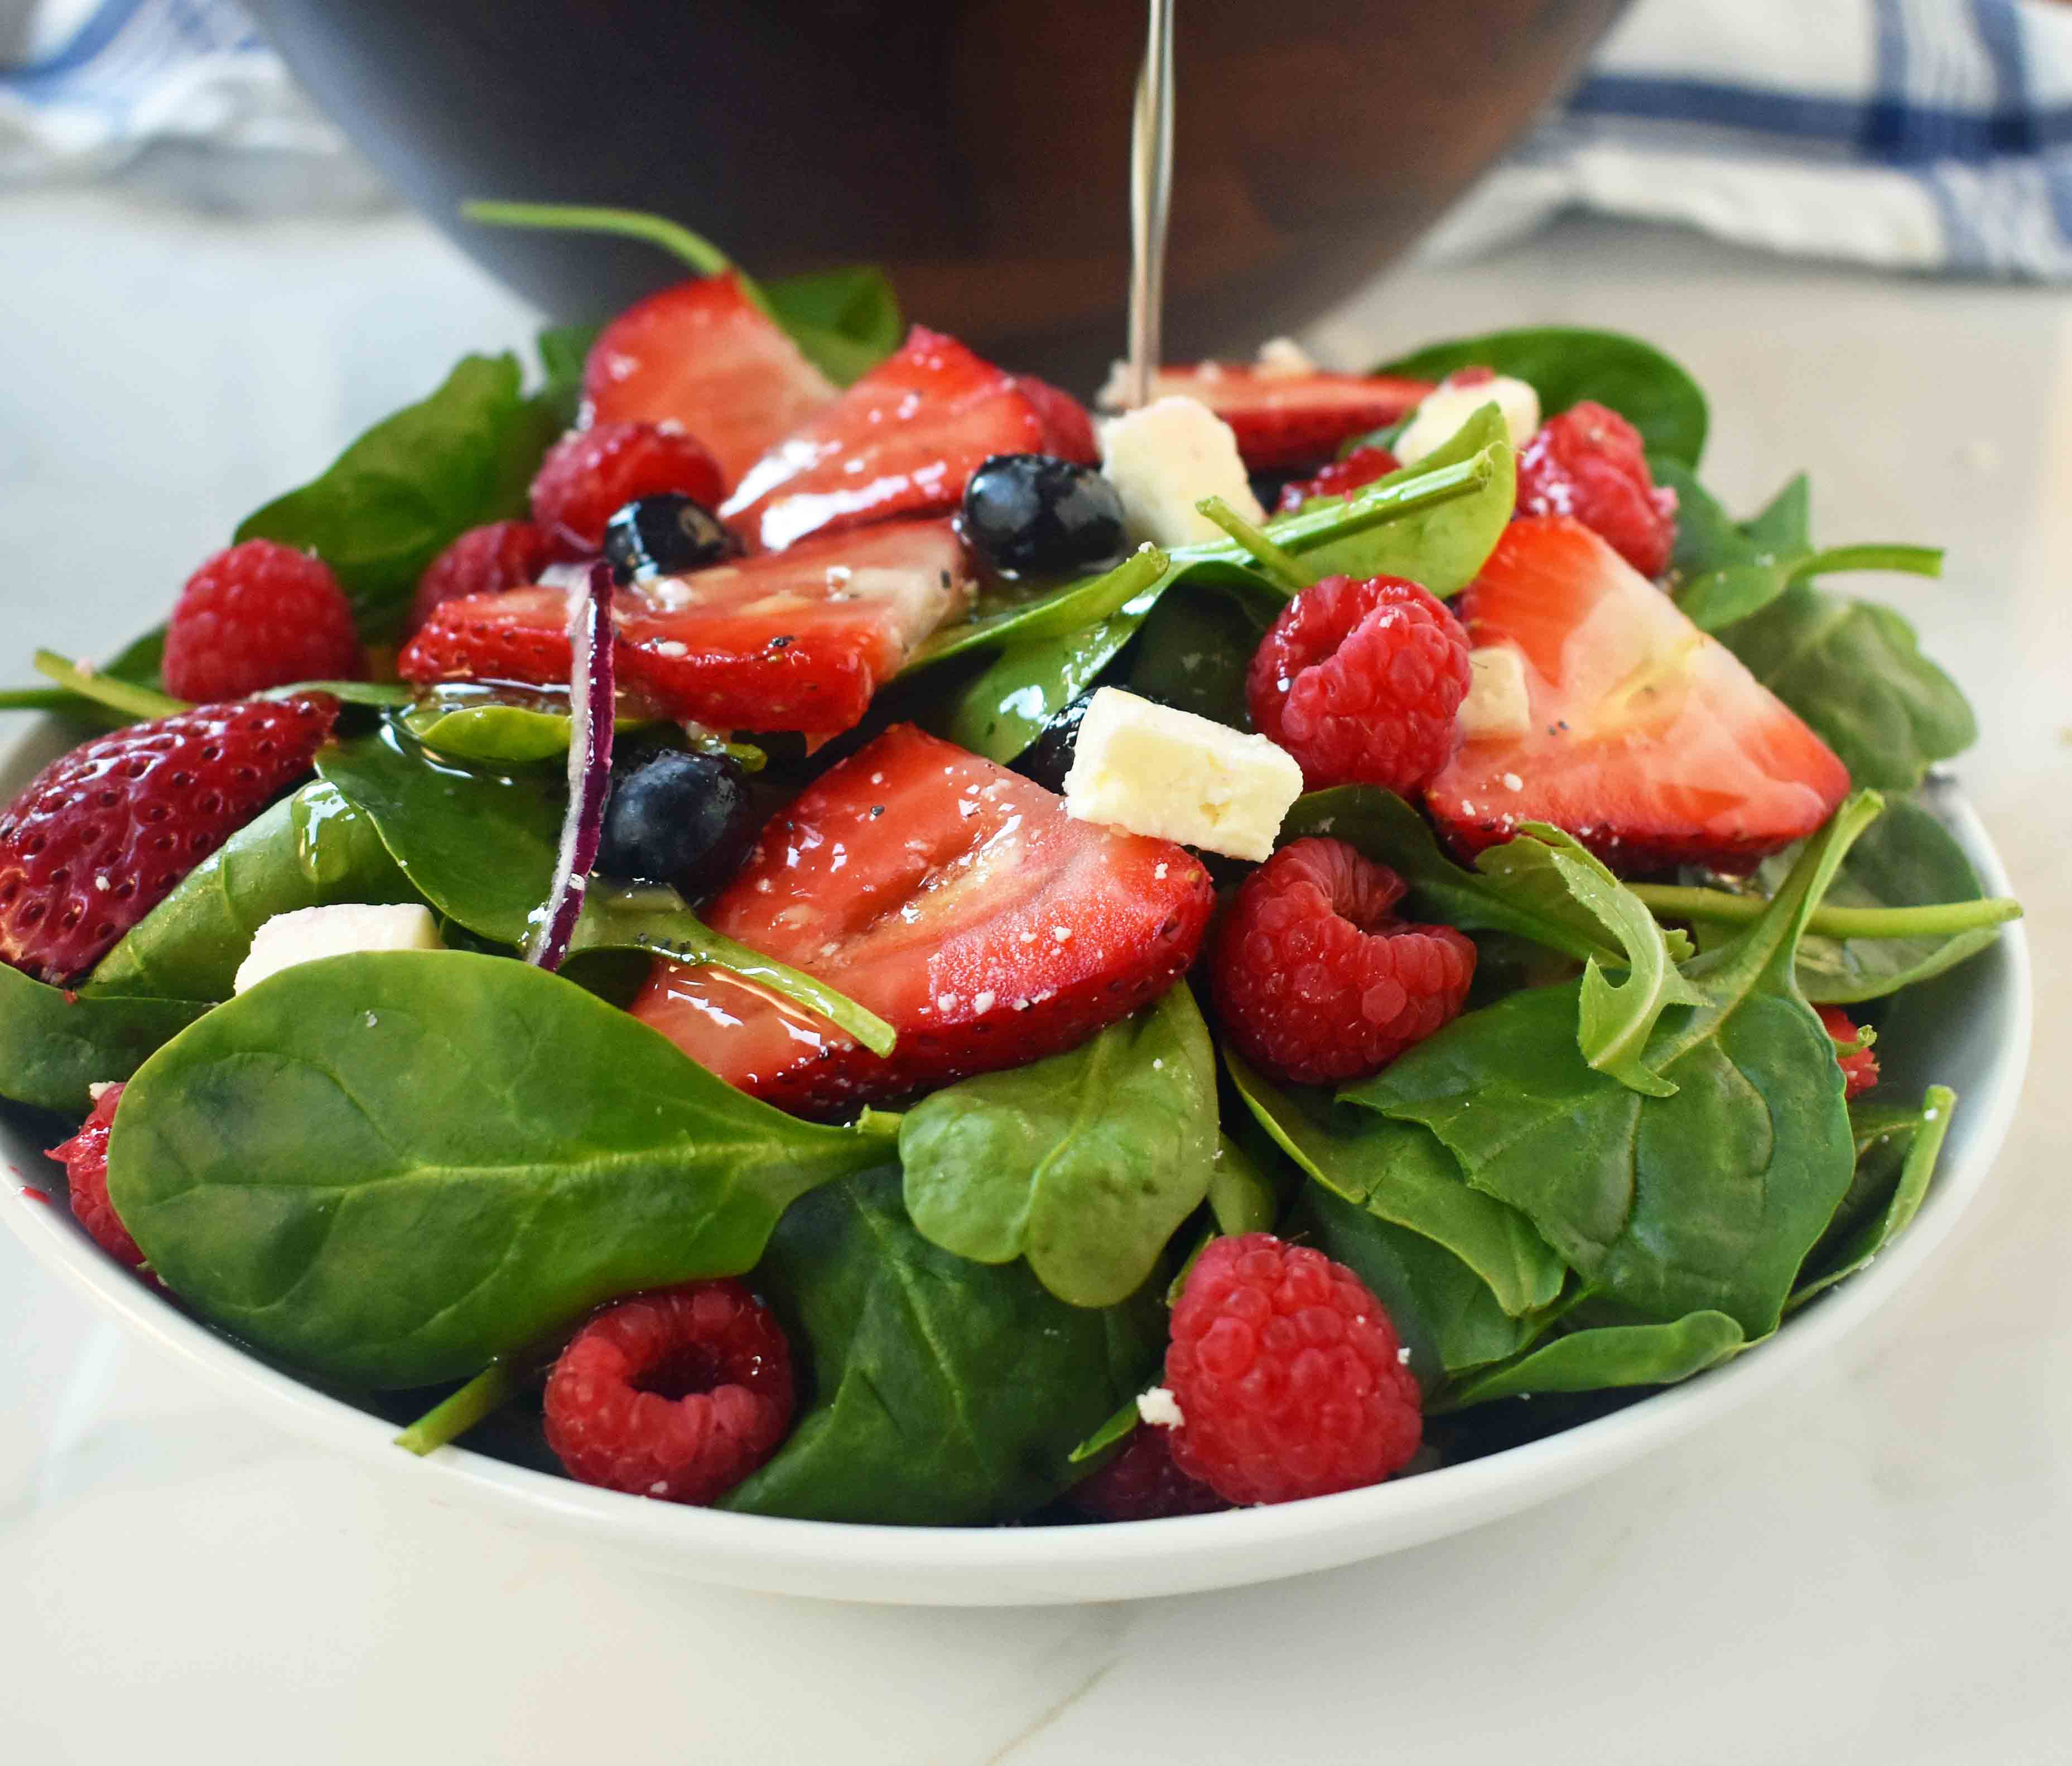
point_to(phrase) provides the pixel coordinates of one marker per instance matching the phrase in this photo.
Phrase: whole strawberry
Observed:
(261, 615)
(102, 835)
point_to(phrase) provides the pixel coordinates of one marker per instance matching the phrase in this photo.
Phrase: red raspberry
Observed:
(1859, 1070)
(84, 1158)
(1361, 466)
(590, 475)
(482, 561)
(261, 615)
(679, 1394)
(1142, 1483)
(1360, 681)
(1591, 463)
(1317, 981)
(100, 836)
(1288, 1376)
(1068, 432)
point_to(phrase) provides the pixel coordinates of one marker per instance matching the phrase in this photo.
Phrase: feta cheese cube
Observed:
(1163, 459)
(1450, 404)
(1149, 769)
(309, 933)
(1497, 704)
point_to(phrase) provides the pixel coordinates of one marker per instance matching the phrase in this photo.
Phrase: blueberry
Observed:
(676, 818)
(1049, 758)
(1031, 512)
(661, 536)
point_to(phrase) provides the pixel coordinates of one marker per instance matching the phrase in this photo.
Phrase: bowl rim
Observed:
(1010, 1565)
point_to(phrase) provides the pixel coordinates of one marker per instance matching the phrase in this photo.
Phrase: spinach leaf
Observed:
(1515, 888)
(1113, 1433)
(1707, 1201)
(401, 493)
(1448, 1317)
(1922, 1136)
(944, 1392)
(53, 1044)
(1565, 364)
(1084, 1163)
(1854, 672)
(1400, 1173)
(479, 846)
(1059, 613)
(1242, 1198)
(1004, 708)
(1196, 647)
(306, 851)
(391, 1167)
(564, 349)
(1612, 1355)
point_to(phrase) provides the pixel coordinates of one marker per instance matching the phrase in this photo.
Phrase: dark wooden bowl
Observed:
(976, 148)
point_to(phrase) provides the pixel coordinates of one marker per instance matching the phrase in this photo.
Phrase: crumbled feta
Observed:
(1448, 405)
(1283, 356)
(309, 933)
(1159, 1408)
(1163, 459)
(1150, 769)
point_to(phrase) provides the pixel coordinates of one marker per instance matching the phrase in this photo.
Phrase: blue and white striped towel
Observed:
(1912, 134)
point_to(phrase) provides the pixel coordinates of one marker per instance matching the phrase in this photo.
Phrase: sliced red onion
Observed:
(592, 713)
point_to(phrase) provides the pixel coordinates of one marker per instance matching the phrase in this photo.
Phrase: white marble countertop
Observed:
(1874, 1566)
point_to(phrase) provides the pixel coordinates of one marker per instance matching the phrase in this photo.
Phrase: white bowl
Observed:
(1982, 1040)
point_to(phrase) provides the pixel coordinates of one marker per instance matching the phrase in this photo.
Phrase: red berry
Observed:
(103, 833)
(1591, 463)
(1361, 466)
(1288, 1376)
(1314, 978)
(589, 474)
(261, 615)
(679, 1394)
(1142, 1483)
(1068, 431)
(1360, 681)
(482, 561)
(84, 1158)
(1860, 1068)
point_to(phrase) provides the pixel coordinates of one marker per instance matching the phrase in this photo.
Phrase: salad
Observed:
(788, 918)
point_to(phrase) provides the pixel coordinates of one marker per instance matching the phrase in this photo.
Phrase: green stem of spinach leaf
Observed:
(1383, 504)
(1277, 564)
(1916, 560)
(695, 249)
(123, 696)
(1667, 901)
(447, 1421)
(34, 699)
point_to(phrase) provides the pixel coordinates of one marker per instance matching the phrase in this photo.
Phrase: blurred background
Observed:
(1851, 219)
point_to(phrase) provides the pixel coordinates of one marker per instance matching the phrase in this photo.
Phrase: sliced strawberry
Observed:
(1647, 740)
(794, 640)
(1283, 419)
(704, 355)
(902, 441)
(956, 900)
(1068, 432)
(102, 835)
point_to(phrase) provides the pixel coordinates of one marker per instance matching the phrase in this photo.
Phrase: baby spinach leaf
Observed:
(401, 493)
(944, 1392)
(1196, 647)
(53, 1044)
(1612, 1355)
(479, 846)
(1565, 364)
(1113, 1433)
(563, 351)
(1399, 1173)
(1922, 1137)
(1242, 1198)
(1707, 1201)
(1854, 672)
(306, 851)
(391, 1167)
(1448, 1317)
(1059, 613)
(1084, 1163)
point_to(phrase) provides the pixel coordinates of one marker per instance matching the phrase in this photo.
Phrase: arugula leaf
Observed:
(1003, 709)
(479, 846)
(1399, 1173)
(306, 851)
(946, 1392)
(1706, 1201)
(53, 1044)
(1084, 1163)
(391, 1167)
(398, 496)
(1565, 364)
(846, 320)
(1921, 1134)
(1612, 1355)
